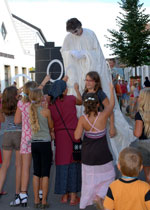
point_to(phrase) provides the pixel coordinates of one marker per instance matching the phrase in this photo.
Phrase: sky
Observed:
(51, 16)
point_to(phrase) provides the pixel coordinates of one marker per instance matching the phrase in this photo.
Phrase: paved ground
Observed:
(53, 200)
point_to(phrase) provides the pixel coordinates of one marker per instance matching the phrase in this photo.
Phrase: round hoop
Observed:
(61, 66)
(20, 75)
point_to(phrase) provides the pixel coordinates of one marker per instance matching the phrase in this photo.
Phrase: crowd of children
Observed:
(31, 125)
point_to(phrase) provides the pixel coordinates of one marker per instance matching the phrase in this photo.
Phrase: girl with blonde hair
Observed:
(41, 127)
(22, 115)
(142, 130)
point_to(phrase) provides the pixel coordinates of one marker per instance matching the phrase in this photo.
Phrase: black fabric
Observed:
(77, 147)
(101, 96)
(42, 158)
(147, 196)
(138, 117)
(95, 151)
(109, 194)
(147, 83)
(128, 181)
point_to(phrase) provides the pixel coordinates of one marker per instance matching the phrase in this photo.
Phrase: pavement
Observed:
(53, 199)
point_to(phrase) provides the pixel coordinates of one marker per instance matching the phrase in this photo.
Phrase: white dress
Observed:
(89, 57)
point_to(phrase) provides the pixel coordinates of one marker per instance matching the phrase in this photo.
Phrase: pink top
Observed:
(26, 128)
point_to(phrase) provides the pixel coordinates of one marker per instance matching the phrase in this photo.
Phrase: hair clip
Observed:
(24, 94)
(33, 102)
(89, 99)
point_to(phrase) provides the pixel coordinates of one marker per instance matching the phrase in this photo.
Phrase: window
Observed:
(3, 31)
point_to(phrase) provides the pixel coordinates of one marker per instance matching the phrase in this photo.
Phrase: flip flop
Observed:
(3, 193)
(63, 200)
(77, 201)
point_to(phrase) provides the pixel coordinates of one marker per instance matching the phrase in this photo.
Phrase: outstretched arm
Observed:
(109, 108)
(43, 83)
(112, 130)
(79, 97)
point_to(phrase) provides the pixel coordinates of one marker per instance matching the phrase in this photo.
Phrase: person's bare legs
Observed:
(36, 187)
(147, 173)
(18, 171)
(45, 184)
(40, 190)
(5, 165)
(26, 163)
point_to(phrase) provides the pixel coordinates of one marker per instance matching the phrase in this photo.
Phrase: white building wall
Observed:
(12, 45)
(143, 71)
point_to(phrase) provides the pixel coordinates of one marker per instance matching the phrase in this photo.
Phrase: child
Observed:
(22, 115)
(41, 126)
(128, 193)
(97, 166)
(11, 137)
(68, 172)
(93, 85)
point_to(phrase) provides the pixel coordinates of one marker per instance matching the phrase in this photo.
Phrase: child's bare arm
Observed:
(108, 109)
(45, 80)
(79, 129)
(50, 124)
(18, 116)
(79, 97)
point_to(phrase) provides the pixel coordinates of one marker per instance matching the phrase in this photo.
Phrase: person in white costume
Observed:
(82, 53)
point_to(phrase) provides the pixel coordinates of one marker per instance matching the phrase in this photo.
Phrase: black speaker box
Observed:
(48, 59)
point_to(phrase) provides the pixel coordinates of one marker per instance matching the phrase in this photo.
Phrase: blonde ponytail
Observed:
(35, 97)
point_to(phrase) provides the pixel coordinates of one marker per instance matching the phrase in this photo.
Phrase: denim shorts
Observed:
(11, 140)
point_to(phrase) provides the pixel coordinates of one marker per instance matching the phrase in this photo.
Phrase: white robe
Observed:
(93, 60)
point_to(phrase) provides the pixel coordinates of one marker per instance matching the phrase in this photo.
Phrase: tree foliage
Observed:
(131, 43)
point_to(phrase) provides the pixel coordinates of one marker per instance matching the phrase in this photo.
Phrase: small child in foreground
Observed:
(128, 193)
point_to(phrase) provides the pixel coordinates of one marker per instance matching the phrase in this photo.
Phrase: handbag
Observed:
(77, 146)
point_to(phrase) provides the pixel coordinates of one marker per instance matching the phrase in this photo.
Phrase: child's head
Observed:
(28, 86)
(35, 98)
(58, 90)
(9, 100)
(130, 162)
(92, 80)
(144, 109)
(91, 103)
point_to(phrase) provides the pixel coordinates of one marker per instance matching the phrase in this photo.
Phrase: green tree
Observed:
(131, 43)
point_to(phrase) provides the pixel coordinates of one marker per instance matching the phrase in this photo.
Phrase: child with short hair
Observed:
(128, 193)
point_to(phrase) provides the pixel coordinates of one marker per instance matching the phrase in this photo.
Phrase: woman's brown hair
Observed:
(90, 103)
(94, 76)
(9, 100)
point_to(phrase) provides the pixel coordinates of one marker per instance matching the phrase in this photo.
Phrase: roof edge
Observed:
(31, 25)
